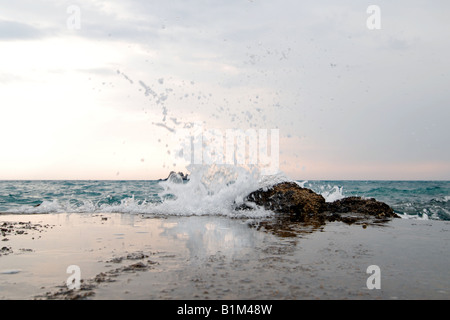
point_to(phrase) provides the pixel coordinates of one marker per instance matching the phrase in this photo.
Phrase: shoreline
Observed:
(129, 256)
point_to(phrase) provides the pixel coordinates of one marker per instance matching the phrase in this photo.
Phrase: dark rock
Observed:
(136, 266)
(370, 207)
(288, 197)
(136, 256)
(130, 256)
(303, 204)
(176, 177)
(5, 251)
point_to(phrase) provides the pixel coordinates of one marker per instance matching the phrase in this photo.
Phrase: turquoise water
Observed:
(412, 199)
(417, 199)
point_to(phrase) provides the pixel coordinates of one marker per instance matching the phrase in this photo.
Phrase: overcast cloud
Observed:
(350, 103)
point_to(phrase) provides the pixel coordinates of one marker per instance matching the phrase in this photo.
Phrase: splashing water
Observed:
(212, 190)
(215, 189)
(335, 193)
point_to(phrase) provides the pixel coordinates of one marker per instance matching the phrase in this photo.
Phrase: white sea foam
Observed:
(413, 216)
(302, 184)
(215, 190)
(211, 190)
(335, 193)
(424, 215)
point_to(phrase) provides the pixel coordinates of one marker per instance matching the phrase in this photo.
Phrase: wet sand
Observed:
(123, 256)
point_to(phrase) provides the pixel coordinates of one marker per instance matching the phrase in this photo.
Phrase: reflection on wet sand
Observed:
(126, 256)
(290, 226)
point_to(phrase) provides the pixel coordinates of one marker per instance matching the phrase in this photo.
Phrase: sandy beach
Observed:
(124, 256)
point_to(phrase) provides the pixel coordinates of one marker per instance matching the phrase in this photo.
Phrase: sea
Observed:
(215, 196)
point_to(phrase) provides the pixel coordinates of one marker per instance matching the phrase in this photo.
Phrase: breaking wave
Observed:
(211, 190)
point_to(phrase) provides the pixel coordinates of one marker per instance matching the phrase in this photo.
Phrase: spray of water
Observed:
(214, 189)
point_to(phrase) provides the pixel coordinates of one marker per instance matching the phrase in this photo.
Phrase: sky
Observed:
(96, 89)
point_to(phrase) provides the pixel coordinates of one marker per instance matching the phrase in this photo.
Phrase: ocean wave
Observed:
(330, 191)
(132, 206)
(429, 210)
(413, 216)
(213, 190)
(336, 193)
